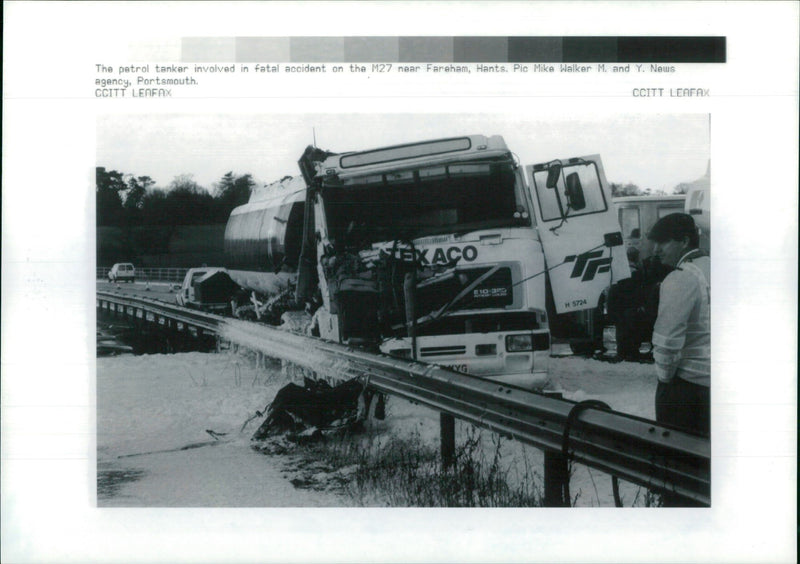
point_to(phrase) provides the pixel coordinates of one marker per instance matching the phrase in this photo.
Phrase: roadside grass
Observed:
(406, 472)
(381, 466)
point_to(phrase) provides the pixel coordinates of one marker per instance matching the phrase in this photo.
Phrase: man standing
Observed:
(682, 332)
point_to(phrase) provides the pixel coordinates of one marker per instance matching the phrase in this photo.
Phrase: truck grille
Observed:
(493, 293)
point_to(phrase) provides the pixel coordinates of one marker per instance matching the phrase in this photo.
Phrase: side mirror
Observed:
(553, 173)
(575, 197)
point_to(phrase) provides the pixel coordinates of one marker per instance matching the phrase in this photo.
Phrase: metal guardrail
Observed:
(631, 448)
(152, 274)
(158, 311)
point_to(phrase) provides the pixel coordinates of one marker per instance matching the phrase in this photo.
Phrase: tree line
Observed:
(127, 200)
(630, 189)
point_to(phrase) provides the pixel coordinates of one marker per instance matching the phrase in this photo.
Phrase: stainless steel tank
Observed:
(263, 238)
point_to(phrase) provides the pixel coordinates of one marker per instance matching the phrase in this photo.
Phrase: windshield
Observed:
(454, 198)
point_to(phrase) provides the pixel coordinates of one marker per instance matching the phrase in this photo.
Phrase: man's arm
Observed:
(677, 298)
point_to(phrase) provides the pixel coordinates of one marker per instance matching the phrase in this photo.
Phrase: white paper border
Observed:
(48, 155)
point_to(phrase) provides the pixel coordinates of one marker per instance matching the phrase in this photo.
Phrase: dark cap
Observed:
(674, 227)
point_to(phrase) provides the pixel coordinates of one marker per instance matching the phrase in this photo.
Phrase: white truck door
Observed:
(579, 230)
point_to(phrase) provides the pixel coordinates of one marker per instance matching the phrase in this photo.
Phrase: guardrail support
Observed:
(556, 473)
(447, 423)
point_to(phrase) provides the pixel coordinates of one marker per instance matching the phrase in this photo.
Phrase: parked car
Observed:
(122, 271)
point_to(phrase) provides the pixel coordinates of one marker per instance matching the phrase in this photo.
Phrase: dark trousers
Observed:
(684, 404)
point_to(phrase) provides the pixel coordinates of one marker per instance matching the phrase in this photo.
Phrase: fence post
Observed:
(447, 424)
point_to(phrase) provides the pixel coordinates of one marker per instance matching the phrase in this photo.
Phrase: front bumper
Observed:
(528, 380)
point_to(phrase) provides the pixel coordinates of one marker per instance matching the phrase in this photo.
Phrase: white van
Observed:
(638, 214)
(122, 271)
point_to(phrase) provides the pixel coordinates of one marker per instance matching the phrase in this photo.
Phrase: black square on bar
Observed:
(671, 49)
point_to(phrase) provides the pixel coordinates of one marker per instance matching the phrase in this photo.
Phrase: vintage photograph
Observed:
(403, 310)
(399, 281)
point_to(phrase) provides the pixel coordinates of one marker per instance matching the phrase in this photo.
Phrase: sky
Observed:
(650, 150)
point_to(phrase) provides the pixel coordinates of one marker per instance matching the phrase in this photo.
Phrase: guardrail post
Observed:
(556, 473)
(447, 423)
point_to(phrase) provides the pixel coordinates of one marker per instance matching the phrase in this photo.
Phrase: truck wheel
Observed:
(581, 347)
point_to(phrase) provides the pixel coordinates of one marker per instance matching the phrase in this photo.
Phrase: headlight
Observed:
(519, 343)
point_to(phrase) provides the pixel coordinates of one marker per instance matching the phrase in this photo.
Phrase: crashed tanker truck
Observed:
(436, 251)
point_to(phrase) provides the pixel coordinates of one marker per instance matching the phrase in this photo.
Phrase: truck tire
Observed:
(581, 347)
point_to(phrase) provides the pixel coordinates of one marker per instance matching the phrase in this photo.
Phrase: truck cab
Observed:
(433, 250)
(438, 251)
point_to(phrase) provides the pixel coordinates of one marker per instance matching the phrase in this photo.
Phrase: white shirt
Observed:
(682, 333)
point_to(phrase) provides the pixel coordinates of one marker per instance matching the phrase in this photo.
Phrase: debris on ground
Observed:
(314, 407)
